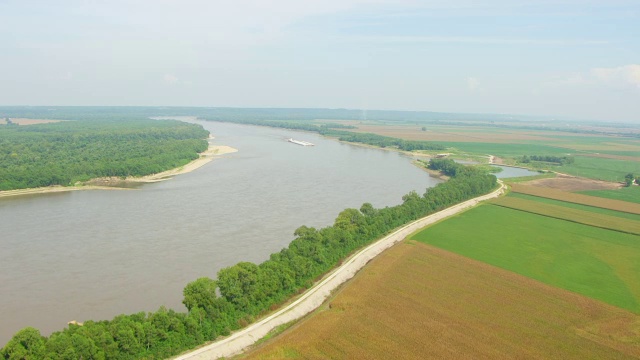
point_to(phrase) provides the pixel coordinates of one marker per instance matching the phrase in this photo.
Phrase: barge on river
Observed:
(300, 142)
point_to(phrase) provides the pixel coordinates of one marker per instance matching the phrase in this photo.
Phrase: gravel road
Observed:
(315, 296)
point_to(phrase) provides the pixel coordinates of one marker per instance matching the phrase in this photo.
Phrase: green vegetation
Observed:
(246, 290)
(559, 160)
(595, 262)
(599, 168)
(66, 152)
(631, 194)
(570, 205)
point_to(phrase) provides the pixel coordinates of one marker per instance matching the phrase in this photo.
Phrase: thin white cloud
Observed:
(627, 74)
(170, 79)
(479, 40)
(473, 84)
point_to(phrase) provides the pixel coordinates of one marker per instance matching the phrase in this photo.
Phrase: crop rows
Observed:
(418, 302)
(574, 215)
(577, 198)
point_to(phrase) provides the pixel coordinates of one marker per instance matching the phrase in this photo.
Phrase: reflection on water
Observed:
(95, 254)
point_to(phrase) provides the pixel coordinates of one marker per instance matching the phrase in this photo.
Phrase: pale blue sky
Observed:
(569, 58)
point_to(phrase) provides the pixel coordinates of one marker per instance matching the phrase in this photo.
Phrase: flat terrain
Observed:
(572, 183)
(617, 205)
(591, 218)
(599, 153)
(418, 302)
(599, 263)
(631, 194)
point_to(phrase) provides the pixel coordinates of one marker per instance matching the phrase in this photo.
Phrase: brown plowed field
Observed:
(576, 198)
(419, 302)
(569, 214)
(571, 183)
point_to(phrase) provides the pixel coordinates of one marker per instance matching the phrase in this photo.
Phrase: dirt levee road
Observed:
(313, 298)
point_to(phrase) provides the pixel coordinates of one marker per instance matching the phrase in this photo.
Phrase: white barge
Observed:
(300, 142)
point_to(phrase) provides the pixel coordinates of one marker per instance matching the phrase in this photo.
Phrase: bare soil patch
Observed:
(416, 302)
(572, 183)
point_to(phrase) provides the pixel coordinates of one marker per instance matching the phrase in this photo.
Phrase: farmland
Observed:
(591, 218)
(631, 194)
(599, 263)
(602, 153)
(416, 301)
(568, 205)
(617, 205)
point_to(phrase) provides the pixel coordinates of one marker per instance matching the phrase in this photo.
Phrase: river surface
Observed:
(96, 254)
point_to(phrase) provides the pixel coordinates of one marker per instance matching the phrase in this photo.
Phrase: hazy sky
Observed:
(576, 58)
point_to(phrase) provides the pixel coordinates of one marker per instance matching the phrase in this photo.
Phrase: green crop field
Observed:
(570, 205)
(598, 168)
(599, 263)
(631, 194)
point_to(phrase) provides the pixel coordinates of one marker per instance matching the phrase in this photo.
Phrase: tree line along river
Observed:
(95, 254)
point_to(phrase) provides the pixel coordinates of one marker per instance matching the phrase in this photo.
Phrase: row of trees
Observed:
(244, 291)
(333, 131)
(560, 160)
(66, 152)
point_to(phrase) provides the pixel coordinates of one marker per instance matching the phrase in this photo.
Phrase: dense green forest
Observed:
(66, 152)
(245, 291)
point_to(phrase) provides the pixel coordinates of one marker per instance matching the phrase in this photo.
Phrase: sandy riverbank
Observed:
(116, 183)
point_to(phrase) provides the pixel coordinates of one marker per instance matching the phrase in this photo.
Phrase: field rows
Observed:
(596, 262)
(419, 302)
(577, 198)
(569, 214)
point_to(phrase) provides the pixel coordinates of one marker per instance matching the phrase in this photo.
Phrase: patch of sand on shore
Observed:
(24, 121)
(55, 189)
(205, 157)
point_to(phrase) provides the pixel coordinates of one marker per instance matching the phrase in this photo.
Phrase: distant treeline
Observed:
(70, 151)
(245, 291)
(226, 113)
(305, 114)
(332, 130)
(560, 160)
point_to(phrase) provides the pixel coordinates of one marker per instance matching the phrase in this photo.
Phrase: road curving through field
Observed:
(315, 296)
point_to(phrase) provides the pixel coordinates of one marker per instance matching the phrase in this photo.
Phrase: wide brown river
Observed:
(96, 254)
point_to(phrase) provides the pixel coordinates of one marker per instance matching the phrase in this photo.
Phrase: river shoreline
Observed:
(117, 183)
(313, 298)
